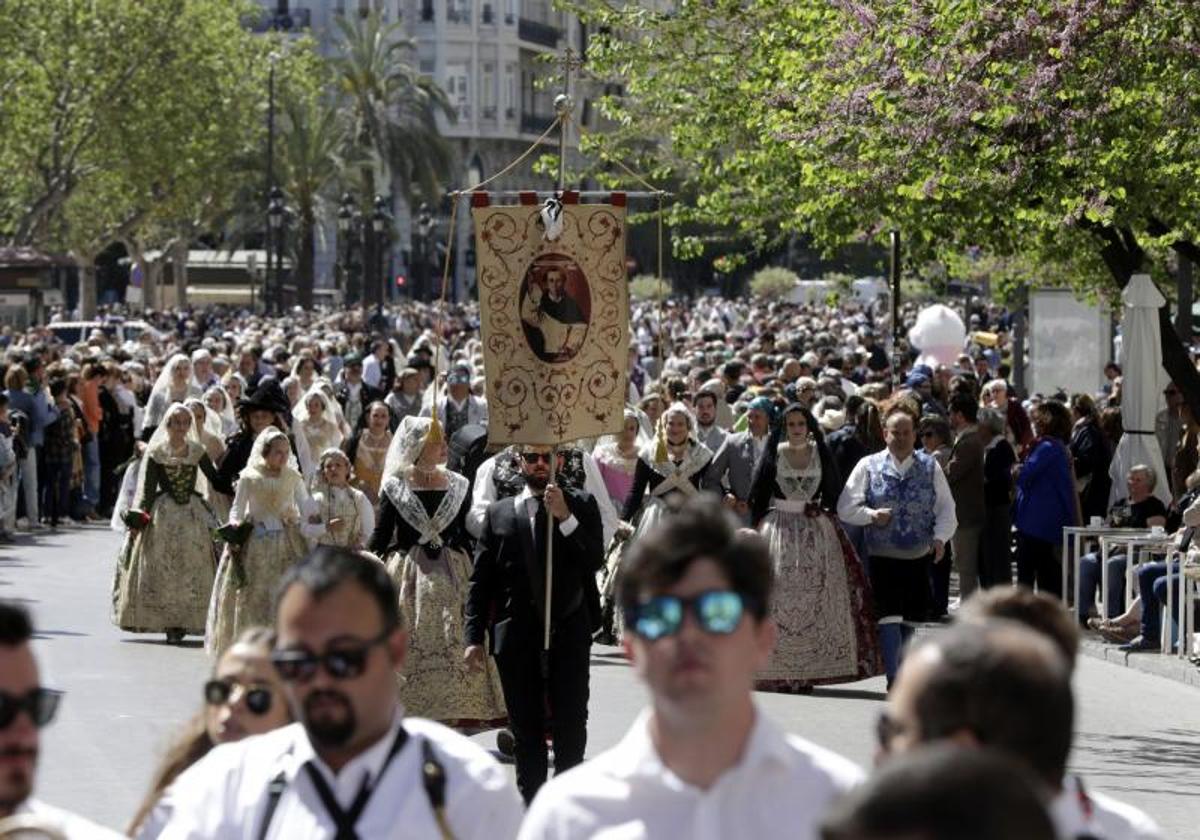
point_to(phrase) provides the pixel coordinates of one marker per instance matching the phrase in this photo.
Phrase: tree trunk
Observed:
(306, 258)
(152, 284)
(179, 258)
(1020, 308)
(1184, 299)
(87, 287)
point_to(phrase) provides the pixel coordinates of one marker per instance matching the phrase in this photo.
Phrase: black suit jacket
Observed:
(508, 584)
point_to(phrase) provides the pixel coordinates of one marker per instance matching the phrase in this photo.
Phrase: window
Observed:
(458, 11)
(510, 91)
(456, 89)
(487, 89)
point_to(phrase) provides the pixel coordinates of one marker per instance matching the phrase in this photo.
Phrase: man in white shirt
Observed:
(373, 365)
(703, 761)
(902, 499)
(1002, 685)
(25, 707)
(353, 766)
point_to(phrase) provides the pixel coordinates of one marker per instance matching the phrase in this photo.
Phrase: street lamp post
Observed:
(272, 59)
(424, 229)
(379, 223)
(345, 224)
(273, 296)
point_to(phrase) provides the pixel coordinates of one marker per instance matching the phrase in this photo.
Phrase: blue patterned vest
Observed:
(911, 498)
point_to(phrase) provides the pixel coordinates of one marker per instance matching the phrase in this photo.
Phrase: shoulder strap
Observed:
(433, 778)
(275, 790)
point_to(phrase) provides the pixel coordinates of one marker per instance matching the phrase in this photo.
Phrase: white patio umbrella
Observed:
(1142, 384)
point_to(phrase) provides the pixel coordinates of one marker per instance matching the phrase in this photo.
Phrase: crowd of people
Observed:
(783, 505)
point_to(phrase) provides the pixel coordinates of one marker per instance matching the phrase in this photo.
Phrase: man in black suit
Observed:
(507, 599)
(353, 394)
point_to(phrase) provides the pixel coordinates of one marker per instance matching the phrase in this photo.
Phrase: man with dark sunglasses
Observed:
(703, 760)
(25, 707)
(507, 601)
(353, 767)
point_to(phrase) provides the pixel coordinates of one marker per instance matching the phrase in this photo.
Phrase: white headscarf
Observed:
(273, 493)
(406, 446)
(212, 420)
(162, 395)
(226, 417)
(159, 449)
(329, 417)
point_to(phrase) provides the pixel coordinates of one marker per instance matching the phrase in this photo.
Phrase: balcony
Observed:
(269, 20)
(489, 112)
(510, 113)
(536, 32)
(535, 123)
(464, 112)
(458, 16)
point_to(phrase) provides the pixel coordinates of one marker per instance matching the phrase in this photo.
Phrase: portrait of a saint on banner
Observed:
(554, 319)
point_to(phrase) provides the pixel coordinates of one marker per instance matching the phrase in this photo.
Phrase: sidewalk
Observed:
(1158, 664)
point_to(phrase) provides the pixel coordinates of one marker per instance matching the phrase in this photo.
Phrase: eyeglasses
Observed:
(41, 704)
(222, 692)
(535, 457)
(346, 663)
(718, 611)
(886, 730)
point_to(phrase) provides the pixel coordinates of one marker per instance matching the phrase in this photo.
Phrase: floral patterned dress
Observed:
(164, 576)
(821, 600)
(422, 538)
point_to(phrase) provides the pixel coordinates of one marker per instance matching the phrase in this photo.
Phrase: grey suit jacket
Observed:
(714, 439)
(733, 467)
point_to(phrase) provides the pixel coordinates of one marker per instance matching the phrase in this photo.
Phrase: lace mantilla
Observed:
(413, 512)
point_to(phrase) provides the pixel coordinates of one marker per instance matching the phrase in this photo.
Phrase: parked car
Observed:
(73, 332)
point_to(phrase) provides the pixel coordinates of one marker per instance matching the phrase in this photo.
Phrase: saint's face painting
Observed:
(556, 308)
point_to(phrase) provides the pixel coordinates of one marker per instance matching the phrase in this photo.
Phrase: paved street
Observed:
(1139, 735)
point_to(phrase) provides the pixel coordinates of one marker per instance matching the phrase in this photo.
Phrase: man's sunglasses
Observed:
(534, 457)
(718, 611)
(345, 663)
(220, 692)
(41, 704)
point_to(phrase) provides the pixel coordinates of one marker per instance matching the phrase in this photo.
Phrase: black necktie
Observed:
(344, 821)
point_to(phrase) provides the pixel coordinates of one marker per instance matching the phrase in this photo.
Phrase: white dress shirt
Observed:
(224, 795)
(483, 493)
(71, 826)
(1096, 815)
(852, 505)
(372, 371)
(566, 527)
(780, 788)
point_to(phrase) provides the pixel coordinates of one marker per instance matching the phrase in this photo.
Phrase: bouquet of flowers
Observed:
(135, 519)
(234, 535)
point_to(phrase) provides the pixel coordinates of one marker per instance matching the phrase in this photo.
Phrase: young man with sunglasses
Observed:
(353, 766)
(25, 707)
(703, 760)
(507, 601)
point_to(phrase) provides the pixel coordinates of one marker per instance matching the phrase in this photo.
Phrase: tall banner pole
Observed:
(563, 107)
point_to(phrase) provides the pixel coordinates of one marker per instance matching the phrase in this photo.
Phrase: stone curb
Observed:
(1157, 664)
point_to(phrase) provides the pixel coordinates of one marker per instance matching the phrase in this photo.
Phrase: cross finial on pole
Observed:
(563, 107)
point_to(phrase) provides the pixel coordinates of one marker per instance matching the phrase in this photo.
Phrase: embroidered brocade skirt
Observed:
(164, 575)
(265, 556)
(821, 603)
(435, 682)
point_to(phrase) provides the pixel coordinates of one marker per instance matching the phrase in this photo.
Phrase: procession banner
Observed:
(554, 318)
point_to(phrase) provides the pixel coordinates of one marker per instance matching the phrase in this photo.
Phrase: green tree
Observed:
(773, 283)
(1053, 131)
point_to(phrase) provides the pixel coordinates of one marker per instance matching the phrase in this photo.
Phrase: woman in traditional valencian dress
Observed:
(423, 539)
(345, 511)
(368, 450)
(316, 429)
(165, 574)
(174, 385)
(208, 429)
(670, 469)
(218, 401)
(617, 457)
(821, 599)
(272, 499)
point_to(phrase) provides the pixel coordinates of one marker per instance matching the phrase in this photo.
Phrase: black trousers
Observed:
(563, 699)
(995, 548)
(1037, 562)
